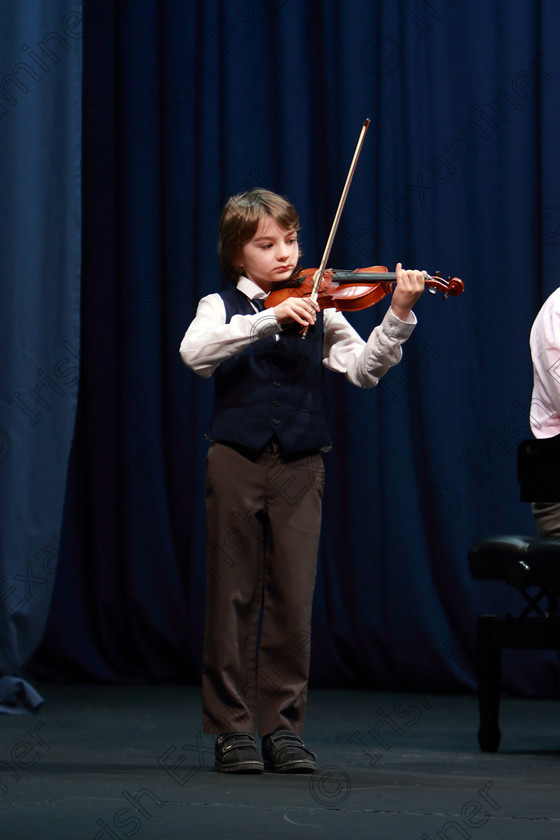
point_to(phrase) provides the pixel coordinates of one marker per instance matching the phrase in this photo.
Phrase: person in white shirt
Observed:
(545, 402)
(265, 475)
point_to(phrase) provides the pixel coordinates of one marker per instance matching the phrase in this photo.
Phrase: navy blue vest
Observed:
(273, 387)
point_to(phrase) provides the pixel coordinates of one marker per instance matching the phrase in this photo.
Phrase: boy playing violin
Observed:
(265, 476)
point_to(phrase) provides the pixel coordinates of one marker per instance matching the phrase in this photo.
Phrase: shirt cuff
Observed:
(397, 327)
(264, 324)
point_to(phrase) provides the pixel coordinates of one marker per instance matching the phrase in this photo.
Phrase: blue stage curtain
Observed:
(187, 103)
(40, 200)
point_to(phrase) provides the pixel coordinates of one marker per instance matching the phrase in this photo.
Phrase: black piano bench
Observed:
(532, 566)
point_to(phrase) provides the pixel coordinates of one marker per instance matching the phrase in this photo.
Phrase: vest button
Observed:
(276, 383)
(276, 421)
(276, 402)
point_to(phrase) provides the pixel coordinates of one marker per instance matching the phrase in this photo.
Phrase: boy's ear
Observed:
(238, 258)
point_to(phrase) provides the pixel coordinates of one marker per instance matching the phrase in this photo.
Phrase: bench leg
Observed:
(489, 678)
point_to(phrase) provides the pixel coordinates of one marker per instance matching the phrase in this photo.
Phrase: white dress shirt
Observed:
(209, 340)
(545, 353)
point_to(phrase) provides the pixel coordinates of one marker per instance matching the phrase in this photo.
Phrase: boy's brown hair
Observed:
(240, 219)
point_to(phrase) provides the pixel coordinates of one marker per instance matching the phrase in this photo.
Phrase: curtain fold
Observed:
(188, 103)
(40, 207)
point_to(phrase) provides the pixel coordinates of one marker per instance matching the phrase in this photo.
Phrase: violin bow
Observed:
(327, 252)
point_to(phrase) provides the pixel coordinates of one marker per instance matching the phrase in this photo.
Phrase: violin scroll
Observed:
(451, 287)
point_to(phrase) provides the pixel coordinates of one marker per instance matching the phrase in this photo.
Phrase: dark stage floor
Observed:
(105, 762)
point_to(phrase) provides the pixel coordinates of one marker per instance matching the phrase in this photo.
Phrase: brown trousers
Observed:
(547, 518)
(263, 524)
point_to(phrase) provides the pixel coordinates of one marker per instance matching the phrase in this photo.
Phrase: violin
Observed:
(350, 291)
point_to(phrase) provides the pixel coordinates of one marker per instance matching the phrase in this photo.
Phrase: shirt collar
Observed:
(249, 288)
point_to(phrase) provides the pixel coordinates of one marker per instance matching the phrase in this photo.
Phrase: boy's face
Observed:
(271, 255)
